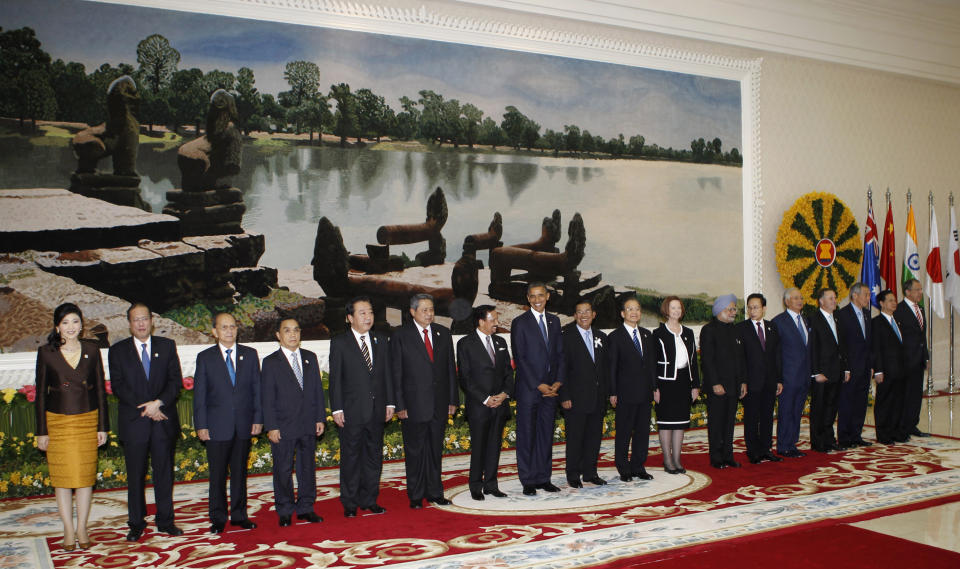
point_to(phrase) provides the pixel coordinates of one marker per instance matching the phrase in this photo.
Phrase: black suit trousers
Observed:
(422, 456)
(159, 450)
(888, 409)
(584, 431)
(486, 438)
(224, 455)
(913, 399)
(824, 404)
(758, 420)
(361, 462)
(633, 431)
(289, 455)
(853, 407)
(721, 416)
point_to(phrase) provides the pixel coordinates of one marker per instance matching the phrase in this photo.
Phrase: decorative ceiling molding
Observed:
(913, 37)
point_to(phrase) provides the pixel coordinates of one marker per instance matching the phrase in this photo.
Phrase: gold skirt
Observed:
(72, 452)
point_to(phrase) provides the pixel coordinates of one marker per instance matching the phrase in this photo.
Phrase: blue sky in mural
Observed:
(668, 108)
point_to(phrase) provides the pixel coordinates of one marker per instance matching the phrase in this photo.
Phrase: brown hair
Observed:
(665, 307)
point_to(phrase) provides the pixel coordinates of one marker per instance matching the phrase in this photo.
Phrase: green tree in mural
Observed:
(25, 90)
(189, 99)
(311, 115)
(408, 119)
(470, 117)
(431, 117)
(571, 137)
(491, 133)
(249, 103)
(587, 142)
(75, 93)
(514, 124)
(452, 128)
(375, 117)
(552, 140)
(304, 80)
(635, 146)
(345, 121)
(158, 62)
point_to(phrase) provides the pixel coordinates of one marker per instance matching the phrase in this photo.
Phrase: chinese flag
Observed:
(888, 254)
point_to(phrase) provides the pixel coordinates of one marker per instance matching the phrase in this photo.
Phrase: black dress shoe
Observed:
(642, 474)
(441, 501)
(863, 443)
(596, 480)
(718, 464)
(529, 490)
(416, 504)
(625, 478)
(496, 493)
(134, 534)
(171, 530)
(732, 463)
(375, 509)
(918, 433)
(833, 446)
(903, 439)
(476, 495)
(888, 442)
(310, 517)
(243, 524)
(284, 521)
(216, 528)
(548, 486)
(771, 457)
(575, 483)
(755, 459)
(351, 513)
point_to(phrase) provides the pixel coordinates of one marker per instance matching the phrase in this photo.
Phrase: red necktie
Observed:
(916, 310)
(426, 341)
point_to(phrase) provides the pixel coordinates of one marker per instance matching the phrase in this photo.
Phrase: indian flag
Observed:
(911, 258)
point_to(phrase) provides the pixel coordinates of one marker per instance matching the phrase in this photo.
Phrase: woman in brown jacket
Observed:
(71, 417)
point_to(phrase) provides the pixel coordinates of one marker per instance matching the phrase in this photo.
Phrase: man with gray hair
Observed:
(794, 332)
(853, 323)
(425, 385)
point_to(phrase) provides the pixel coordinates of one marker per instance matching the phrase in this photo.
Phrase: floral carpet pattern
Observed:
(572, 528)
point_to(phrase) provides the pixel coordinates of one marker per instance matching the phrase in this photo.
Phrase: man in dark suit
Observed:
(486, 378)
(583, 395)
(425, 385)
(794, 335)
(631, 358)
(721, 364)
(890, 371)
(145, 376)
(853, 324)
(538, 350)
(913, 327)
(294, 415)
(362, 400)
(227, 411)
(828, 365)
(761, 352)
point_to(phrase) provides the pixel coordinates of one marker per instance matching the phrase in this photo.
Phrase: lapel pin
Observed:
(241, 358)
(306, 362)
(156, 355)
(85, 356)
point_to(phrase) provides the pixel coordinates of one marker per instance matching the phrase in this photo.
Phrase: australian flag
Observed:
(870, 266)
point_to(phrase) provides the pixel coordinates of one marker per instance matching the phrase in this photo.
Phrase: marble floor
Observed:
(938, 526)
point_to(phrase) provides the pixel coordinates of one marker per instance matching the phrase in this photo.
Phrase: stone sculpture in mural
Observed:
(118, 138)
(206, 204)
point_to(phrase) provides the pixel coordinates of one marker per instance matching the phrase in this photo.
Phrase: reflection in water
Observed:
(714, 182)
(287, 191)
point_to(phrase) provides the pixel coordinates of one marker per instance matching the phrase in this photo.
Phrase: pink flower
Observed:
(188, 383)
(30, 391)
(109, 387)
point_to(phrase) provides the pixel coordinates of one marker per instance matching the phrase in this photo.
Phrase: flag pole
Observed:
(930, 389)
(951, 382)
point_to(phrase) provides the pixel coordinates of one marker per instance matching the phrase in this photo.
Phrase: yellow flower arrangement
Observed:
(8, 395)
(818, 246)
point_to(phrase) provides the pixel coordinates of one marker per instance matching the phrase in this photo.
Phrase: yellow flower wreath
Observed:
(818, 245)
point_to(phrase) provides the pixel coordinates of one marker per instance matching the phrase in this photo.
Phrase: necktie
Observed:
(231, 371)
(896, 330)
(636, 342)
(588, 338)
(426, 342)
(543, 329)
(145, 360)
(833, 327)
(863, 328)
(763, 338)
(919, 313)
(366, 353)
(493, 355)
(296, 369)
(802, 329)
